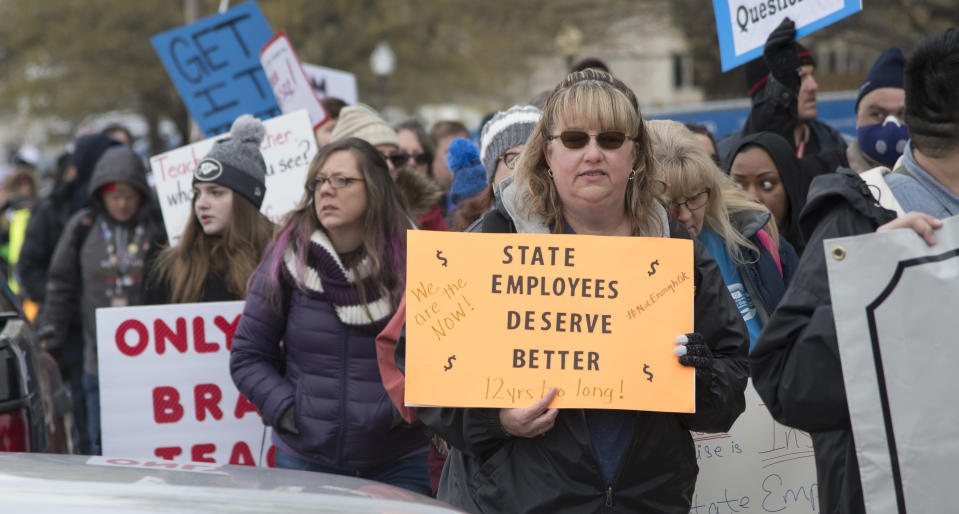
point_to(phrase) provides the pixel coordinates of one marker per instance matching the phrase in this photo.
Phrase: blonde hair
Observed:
(688, 169)
(603, 101)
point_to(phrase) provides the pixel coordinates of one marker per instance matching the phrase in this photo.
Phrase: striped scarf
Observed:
(324, 277)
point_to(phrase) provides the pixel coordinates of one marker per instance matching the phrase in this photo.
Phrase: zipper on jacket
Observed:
(345, 369)
(609, 497)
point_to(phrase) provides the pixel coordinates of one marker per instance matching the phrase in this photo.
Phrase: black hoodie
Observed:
(795, 362)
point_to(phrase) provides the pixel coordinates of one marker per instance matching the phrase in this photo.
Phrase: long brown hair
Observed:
(233, 255)
(594, 96)
(386, 219)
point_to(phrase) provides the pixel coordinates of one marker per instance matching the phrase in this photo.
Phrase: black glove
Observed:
(287, 421)
(693, 352)
(782, 55)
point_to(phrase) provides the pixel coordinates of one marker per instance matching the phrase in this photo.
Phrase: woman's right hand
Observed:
(531, 421)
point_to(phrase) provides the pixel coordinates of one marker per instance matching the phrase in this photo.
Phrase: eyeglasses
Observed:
(692, 203)
(510, 159)
(576, 139)
(400, 158)
(336, 182)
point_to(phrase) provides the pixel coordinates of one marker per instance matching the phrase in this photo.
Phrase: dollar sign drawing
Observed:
(450, 361)
(440, 257)
(646, 370)
(652, 267)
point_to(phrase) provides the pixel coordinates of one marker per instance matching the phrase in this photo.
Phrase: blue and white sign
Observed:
(744, 25)
(215, 65)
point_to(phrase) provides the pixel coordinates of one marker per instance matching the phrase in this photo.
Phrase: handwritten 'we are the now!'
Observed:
(441, 317)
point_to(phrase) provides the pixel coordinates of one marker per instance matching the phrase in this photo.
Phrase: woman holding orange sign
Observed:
(588, 169)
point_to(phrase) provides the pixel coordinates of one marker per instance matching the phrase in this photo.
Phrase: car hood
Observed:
(84, 484)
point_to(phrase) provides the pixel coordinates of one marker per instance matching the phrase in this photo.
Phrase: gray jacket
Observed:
(98, 262)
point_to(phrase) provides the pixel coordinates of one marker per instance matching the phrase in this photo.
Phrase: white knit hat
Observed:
(505, 130)
(358, 121)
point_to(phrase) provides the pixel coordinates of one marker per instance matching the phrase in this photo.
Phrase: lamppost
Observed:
(569, 42)
(383, 62)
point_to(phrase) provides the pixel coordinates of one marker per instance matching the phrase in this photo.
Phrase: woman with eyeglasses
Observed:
(587, 168)
(755, 262)
(330, 281)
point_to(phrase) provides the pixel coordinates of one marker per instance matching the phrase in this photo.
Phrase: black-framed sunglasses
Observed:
(336, 182)
(510, 159)
(576, 139)
(693, 203)
(400, 158)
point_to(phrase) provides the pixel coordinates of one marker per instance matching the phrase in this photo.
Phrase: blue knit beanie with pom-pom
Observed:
(469, 175)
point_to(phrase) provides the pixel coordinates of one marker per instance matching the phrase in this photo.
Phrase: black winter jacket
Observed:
(795, 362)
(488, 471)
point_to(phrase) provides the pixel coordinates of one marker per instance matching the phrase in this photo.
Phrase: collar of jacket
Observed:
(843, 186)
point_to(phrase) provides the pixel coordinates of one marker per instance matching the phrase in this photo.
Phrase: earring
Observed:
(632, 175)
(549, 172)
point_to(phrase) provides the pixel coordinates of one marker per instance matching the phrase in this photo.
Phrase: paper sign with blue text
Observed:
(291, 87)
(288, 148)
(214, 64)
(744, 25)
(497, 320)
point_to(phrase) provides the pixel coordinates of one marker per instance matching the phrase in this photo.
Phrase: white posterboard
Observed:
(744, 25)
(758, 466)
(328, 82)
(292, 89)
(288, 148)
(165, 386)
(895, 304)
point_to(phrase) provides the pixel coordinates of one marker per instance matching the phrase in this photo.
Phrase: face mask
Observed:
(884, 142)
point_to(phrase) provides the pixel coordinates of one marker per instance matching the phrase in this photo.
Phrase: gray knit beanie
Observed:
(236, 162)
(505, 130)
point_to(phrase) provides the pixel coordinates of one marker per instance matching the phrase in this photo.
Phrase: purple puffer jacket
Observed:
(343, 413)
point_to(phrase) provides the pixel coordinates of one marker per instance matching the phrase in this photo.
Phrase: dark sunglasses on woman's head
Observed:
(576, 139)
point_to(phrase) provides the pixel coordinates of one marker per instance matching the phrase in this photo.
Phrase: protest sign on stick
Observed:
(496, 320)
(744, 25)
(328, 82)
(288, 148)
(214, 64)
(165, 386)
(291, 87)
(894, 302)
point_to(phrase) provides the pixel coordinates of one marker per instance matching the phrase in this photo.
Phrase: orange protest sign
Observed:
(496, 320)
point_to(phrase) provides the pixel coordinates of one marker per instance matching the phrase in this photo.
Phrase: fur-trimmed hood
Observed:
(420, 192)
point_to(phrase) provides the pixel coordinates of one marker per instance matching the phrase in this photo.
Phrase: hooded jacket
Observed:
(795, 362)
(423, 197)
(98, 259)
(489, 471)
(795, 174)
(761, 276)
(51, 213)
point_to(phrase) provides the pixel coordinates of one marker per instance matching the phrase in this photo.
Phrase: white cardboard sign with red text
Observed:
(287, 149)
(291, 86)
(165, 386)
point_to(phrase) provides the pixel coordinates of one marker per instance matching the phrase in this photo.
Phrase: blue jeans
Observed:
(410, 473)
(91, 395)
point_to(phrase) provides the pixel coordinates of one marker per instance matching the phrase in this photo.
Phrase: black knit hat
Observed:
(887, 71)
(236, 162)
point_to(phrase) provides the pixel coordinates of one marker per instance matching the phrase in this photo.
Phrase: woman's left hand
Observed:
(693, 352)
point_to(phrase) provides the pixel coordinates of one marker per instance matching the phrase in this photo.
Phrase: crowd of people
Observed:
(320, 348)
